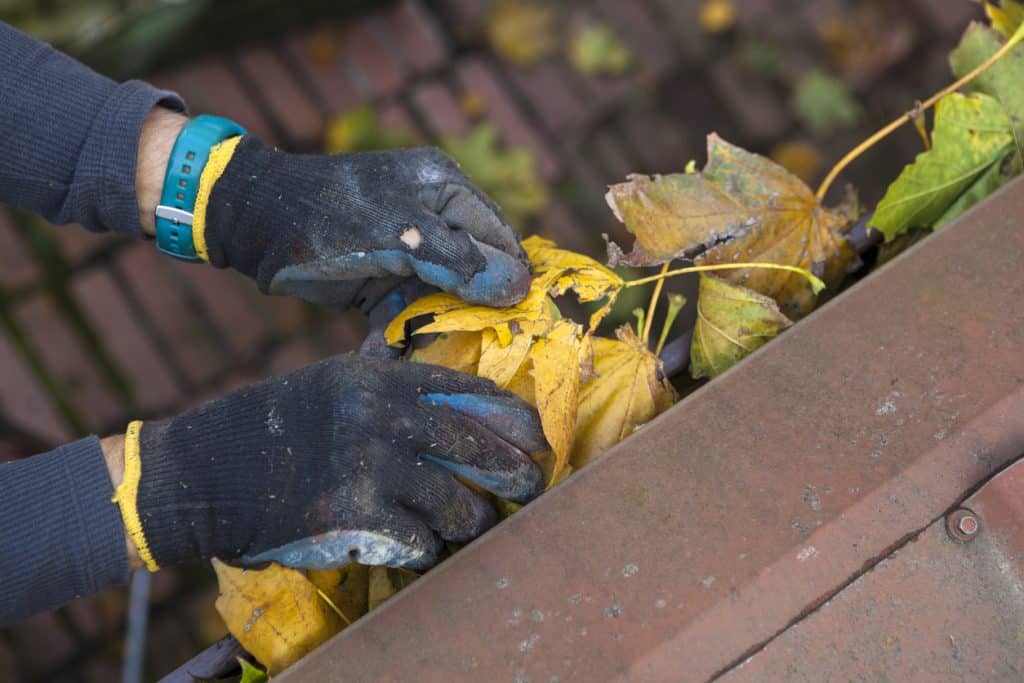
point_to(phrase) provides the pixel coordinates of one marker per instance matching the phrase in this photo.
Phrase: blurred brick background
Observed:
(96, 330)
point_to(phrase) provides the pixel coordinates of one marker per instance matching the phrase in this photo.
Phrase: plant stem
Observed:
(815, 281)
(651, 307)
(334, 607)
(675, 304)
(908, 116)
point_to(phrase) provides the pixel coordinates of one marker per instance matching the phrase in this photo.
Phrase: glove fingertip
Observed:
(504, 281)
(520, 484)
(509, 418)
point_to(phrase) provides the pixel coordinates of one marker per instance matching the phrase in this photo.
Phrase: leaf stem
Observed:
(909, 116)
(651, 307)
(816, 284)
(675, 304)
(333, 606)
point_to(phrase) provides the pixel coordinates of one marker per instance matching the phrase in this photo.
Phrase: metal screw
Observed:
(963, 525)
(968, 525)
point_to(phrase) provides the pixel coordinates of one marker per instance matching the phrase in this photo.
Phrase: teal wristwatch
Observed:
(181, 184)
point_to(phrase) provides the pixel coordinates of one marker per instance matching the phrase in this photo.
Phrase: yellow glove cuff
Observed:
(126, 495)
(220, 155)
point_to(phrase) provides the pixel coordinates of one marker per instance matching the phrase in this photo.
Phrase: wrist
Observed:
(113, 455)
(159, 132)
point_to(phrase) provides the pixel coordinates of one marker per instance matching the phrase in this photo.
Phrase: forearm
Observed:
(63, 538)
(72, 137)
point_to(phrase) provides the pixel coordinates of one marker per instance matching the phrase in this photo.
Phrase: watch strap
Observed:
(174, 214)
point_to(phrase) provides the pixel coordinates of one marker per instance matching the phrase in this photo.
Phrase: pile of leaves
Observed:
(764, 244)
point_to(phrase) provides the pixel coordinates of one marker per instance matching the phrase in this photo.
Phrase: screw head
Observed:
(963, 525)
(968, 525)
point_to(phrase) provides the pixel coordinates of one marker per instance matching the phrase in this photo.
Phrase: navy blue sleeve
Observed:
(61, 537)
(70, 136)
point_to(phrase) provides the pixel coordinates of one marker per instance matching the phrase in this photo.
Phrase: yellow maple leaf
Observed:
(741, 207)
(732, 322)
(560, 359)
(275, 613)
(385, 582)
(521, 31)
(555, 271)
(452, 314)
(629, 389)
(456, 350)
(500, 363)
(716, 16)
(559, 270)
(345, 587)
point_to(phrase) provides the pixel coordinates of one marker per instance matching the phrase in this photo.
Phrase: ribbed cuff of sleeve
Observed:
(69, 136)
(62, 537)
(103, 192)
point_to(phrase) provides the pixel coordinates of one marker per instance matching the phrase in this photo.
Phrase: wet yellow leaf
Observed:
(520, 31)
(799, 157)
(275, 613)
(628, 390)
(500, 363)
(562, 270)
(384, 582)
(521, 383)
(456, 350)
(473, 105)
(381, 587)
(555, 271)
(346, 588)
(558, 364)
(741, 207)
(554, 473)
(732, 322)
(452, 314)
(558, 271)
(1005, 19)
(716, 16)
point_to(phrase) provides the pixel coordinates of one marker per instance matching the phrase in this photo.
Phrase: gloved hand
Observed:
(321, 228)
(351, 458)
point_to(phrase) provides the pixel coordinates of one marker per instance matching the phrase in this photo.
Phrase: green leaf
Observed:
(970, 134)
(251, 673)
(521, 31)
(1005, 17)
(360, 130)
(595, 50)
(824, 104)
(1002, 80)
(509, 177)
(988, 182)
(732, 322)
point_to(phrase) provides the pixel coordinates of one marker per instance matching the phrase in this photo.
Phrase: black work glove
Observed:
(351, 458)
(323, 227)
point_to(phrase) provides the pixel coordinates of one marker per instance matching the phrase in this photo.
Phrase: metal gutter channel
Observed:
(937, 609)
(691, 545)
